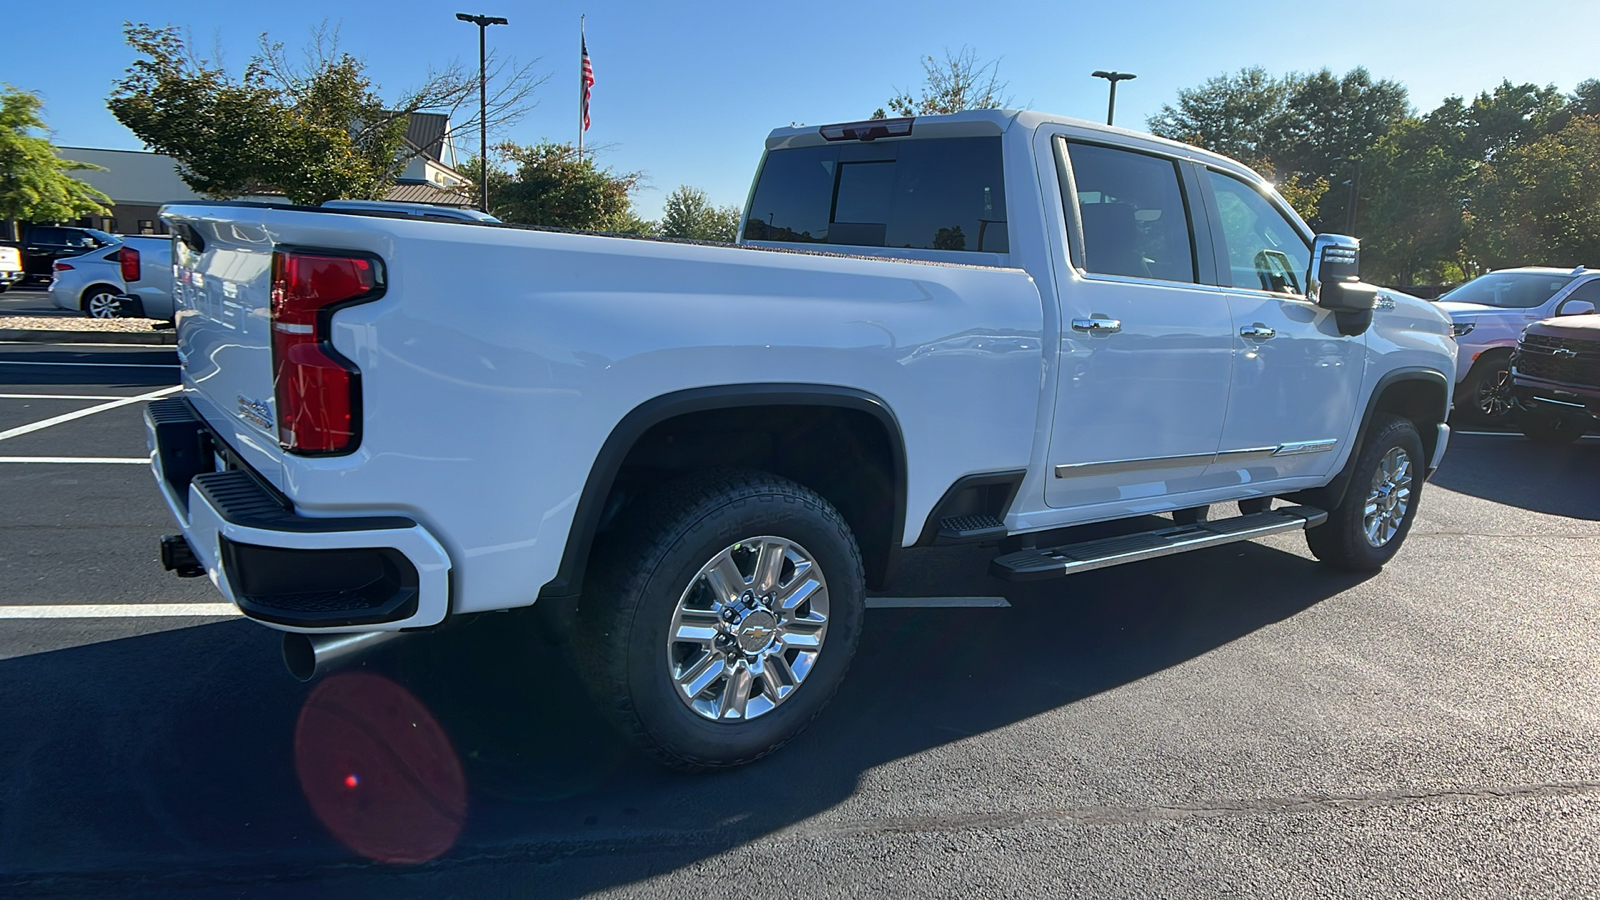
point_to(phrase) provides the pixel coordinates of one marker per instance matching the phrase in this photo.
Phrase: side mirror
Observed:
(1334, 281)
(1571, 307)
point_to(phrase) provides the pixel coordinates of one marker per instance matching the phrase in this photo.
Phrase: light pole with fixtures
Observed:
(1113, 77)
(483, 23)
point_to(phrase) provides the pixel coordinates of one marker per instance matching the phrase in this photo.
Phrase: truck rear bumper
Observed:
(290, 571)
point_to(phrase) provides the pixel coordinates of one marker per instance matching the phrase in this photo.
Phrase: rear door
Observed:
(1146, 344)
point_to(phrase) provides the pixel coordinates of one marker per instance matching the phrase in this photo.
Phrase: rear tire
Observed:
(1548, 429)
(1366, 528)
(100, 302)
(702, 672)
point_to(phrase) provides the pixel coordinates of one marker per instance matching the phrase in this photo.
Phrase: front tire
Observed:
(1366, 528)
(1486, 392)
(723, 613)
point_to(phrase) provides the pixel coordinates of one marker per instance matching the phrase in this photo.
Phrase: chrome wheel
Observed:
(103, 305)
(1389, 499)
(748, 629)
(1493, 395)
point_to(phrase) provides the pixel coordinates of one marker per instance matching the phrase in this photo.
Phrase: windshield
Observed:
(1509, 290)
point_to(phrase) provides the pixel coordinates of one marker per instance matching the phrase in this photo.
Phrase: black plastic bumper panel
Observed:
(321, 588)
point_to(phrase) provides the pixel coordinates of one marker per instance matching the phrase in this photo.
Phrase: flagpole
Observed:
(583, 88)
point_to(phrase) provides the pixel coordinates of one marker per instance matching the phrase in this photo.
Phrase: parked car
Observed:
(146, 264)
(90, 283)
(42, 245)
(1556, 377)
(697, 458)
(131, 278)
(1487, 315)
(11, 271)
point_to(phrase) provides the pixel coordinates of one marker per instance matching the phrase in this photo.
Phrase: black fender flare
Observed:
(586, 519)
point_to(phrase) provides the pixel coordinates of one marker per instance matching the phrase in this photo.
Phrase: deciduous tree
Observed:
(34, 184)
(548, 184)
(958, 81)
(688, 213)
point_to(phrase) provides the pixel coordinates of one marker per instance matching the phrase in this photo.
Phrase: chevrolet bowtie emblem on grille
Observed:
(1564, 353)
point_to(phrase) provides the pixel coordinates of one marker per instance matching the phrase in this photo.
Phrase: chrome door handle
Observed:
(1257, 332)
(1097, 325)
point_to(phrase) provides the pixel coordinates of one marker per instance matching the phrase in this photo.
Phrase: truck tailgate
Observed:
(221, 297)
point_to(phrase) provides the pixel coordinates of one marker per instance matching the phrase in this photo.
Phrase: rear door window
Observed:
(1135, 218)
(930, 194)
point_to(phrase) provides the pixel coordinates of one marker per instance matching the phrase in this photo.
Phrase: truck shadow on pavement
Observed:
(165, 763)
(1559, 480)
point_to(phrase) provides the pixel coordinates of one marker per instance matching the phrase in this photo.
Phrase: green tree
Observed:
(958, 81)
(688, 213)
(548, 184)
(1239, 115)
(1330, 125)
(312, 132)
(34, 186)
(1540, 202)
(1415, 195)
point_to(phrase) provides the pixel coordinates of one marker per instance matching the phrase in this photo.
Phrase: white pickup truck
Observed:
(968, 328)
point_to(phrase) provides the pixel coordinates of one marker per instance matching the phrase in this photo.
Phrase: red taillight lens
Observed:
(128, 258)
(318, 391)
(62, 267)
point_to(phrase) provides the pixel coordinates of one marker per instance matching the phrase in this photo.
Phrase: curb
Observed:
(44, 336)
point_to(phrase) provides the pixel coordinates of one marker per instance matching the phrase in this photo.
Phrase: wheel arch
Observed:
(83, 296)
(620, 464)
(1419, 394)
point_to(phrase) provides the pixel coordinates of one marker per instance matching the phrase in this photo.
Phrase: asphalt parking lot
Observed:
(1238, 721)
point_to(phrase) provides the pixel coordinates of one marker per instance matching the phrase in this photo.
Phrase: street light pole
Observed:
(483, 23)
(1113, 77)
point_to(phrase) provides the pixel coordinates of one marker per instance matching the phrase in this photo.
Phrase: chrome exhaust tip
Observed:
(309, 656)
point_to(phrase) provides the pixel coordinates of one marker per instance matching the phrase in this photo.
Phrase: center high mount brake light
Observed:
(869, 130)
(318, 390)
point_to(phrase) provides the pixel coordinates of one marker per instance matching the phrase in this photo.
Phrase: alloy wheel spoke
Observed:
(708, 668)
(798, 591)
(736, 693)
(697, 626)
(805, 633)
(726, 581)
(779, 677)
(769, 565)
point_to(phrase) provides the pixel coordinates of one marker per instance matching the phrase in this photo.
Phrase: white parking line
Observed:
(117, 460)
(18, 362)
(68, 417)
(63, 396)
(937, 603)
(1517, 434)
(120, 611)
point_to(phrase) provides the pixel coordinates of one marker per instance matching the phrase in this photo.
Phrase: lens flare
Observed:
(412, 800)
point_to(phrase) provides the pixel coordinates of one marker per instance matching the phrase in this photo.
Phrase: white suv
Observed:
(1488, 314)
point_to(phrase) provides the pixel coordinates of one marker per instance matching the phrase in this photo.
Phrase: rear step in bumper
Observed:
(1068, 559)
(295, 572)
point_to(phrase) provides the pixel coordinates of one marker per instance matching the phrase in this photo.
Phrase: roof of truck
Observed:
(977, 122)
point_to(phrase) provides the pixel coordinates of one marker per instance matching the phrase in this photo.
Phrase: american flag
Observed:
(588, 81)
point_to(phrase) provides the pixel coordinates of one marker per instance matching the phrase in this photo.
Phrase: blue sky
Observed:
(685, 92)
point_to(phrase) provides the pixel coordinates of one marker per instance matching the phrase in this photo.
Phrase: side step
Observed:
(1068, 559)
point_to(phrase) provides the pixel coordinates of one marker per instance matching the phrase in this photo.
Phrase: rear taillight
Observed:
(128, 258)
(318, 391)
(62, 267)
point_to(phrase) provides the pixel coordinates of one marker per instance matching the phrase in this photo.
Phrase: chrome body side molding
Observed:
(1112, 467)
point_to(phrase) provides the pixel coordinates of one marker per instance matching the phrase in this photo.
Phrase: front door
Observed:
(1146, 350)
(1296, 379)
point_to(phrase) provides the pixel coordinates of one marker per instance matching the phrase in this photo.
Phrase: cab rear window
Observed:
(928, 194)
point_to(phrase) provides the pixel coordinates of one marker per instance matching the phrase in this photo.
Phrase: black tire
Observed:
(1485, 395)
(1191, 516)
(99, 301)
(1342, 541)
(654, 557)
(1552, 429)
